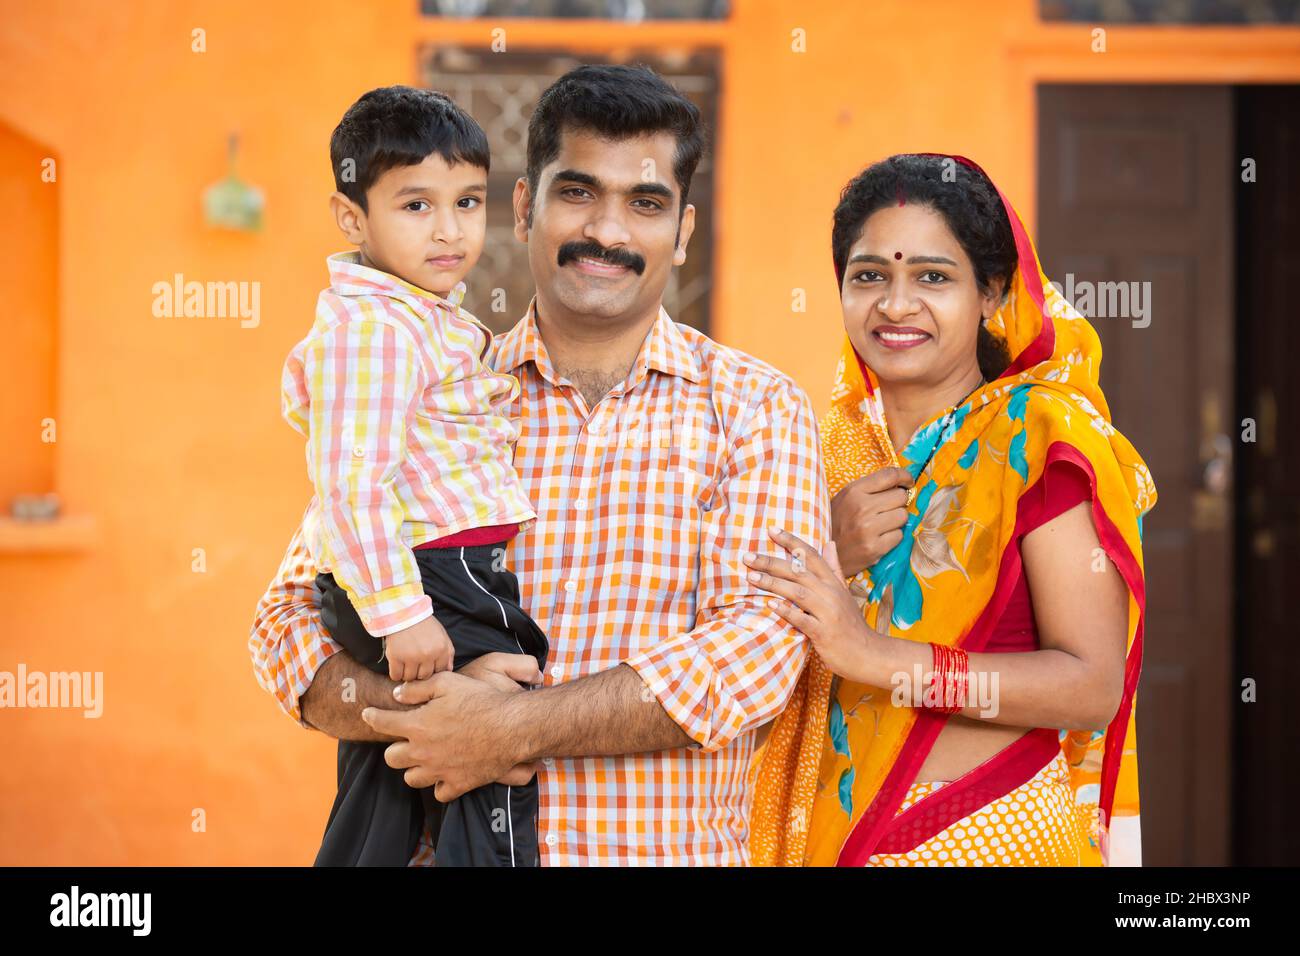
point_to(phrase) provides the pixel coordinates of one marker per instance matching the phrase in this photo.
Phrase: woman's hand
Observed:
(818, 603)
(867, 517)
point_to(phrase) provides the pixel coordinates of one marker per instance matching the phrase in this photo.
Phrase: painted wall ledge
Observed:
(67, 534)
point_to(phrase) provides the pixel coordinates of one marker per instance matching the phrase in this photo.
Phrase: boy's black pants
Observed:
(376, 818)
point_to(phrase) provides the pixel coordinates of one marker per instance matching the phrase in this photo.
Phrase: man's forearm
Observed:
(333, 706)
(609, 713)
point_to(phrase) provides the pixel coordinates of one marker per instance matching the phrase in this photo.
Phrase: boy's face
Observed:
(425, 223)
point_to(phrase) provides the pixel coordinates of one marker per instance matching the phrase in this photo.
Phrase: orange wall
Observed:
(169, 432)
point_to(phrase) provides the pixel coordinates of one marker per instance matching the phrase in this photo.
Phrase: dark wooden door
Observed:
(1268, 393)
(1135, 185)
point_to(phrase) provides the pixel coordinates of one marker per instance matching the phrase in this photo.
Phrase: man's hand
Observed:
(505, 672)
(327, 708)
(455, 742)
(867, 517)
(469, 733)
(510, 673)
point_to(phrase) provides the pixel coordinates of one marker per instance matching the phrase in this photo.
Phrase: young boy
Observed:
(409, 452)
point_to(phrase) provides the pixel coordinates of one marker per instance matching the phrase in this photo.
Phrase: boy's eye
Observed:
(574, 192)
(469, 202)
(417, 202)
(648, 204)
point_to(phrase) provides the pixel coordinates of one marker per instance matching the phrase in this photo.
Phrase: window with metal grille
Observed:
(626, 10)
(1171, 11)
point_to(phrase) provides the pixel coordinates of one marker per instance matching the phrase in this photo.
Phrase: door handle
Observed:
(1210, 509)
(1216, 477)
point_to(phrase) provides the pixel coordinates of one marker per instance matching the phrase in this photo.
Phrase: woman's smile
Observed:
(901, 337)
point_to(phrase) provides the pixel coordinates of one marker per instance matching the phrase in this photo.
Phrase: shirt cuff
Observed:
(393, 609)
(687, 685)
(302, 680)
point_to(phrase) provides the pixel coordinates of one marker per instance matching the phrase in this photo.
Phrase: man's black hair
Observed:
(401, 126)
(615, 102)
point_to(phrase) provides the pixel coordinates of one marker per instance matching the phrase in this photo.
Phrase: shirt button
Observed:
(557, 671)
(570, 586)
(358, 451)
(548, 761)
(552, 839)
(580, 504)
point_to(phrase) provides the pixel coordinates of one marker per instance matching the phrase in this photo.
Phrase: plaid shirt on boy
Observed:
(407, 434)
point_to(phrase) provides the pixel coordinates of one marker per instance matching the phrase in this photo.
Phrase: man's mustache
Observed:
(594, 250)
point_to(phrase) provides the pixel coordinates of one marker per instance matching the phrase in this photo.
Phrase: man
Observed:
(656, 459)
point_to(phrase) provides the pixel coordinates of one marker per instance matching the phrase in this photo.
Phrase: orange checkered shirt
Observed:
(646, 505)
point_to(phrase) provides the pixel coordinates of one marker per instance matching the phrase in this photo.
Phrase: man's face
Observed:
(425, 222)
(605, 228)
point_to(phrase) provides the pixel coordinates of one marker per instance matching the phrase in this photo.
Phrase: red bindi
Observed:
(898, 255)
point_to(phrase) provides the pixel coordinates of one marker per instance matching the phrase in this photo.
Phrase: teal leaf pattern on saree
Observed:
(846, 791)
(839, 729)
(895, 568)
(1016, 455)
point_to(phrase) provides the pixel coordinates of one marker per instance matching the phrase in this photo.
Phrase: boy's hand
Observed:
(419, 651)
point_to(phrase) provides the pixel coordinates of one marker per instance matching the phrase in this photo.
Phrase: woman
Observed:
(987, 646)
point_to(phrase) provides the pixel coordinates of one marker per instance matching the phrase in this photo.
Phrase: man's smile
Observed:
(598, 267)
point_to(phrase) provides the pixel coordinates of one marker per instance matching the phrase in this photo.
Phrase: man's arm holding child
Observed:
(342, 688)
(319, 684)
(467, 733)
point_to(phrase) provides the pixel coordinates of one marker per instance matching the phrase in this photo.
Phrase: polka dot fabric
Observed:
(1036, 824)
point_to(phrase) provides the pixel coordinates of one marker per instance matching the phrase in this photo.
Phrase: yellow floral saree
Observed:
(841, 758)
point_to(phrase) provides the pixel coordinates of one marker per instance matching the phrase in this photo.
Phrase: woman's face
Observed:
(911, 304)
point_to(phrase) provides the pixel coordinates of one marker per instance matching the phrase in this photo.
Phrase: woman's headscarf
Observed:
(841, 757)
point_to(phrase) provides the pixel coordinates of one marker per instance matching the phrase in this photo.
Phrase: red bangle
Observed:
(960, 686)
(939, 658)
(948, 680)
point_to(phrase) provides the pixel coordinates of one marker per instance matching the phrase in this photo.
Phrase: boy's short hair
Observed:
(615, 102)
(401, 126)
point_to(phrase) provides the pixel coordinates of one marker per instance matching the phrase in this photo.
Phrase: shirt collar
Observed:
(349, 277)
(665, 349)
